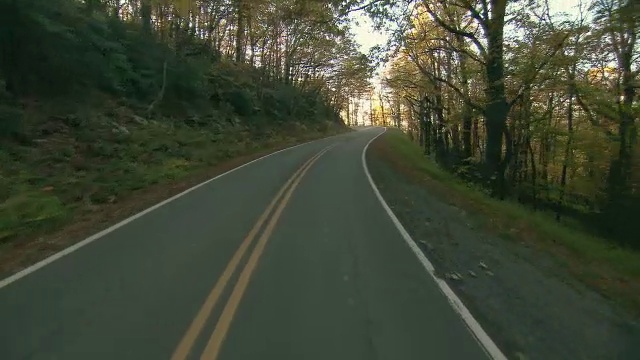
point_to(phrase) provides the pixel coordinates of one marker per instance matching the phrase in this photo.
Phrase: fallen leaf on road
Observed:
(453, 276)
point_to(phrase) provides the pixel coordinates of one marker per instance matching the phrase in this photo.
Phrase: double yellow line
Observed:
(279, 202)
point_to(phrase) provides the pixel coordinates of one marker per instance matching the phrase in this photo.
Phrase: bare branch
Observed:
(537, 70)
(467, 100)
(481, 19)
(454, 30)
(592, 119)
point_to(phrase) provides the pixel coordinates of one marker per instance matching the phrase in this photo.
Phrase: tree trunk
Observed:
(467, 149)
(438, 130)
(421, 123)
(384, 120)
(568, 145)
(145, 16)
(497, 108)
(534, 174)
(240, 30)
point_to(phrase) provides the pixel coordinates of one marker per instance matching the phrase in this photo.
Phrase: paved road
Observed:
(324, 275)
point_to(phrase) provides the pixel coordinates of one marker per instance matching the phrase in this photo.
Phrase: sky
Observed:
(366, 36)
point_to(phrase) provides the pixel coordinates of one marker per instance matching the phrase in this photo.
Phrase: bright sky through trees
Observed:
(367, 37)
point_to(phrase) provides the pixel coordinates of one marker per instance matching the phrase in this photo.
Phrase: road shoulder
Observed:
(525, 300)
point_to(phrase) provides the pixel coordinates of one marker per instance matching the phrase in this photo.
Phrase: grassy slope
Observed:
(79, 140)
(611, 270)
(85, 172)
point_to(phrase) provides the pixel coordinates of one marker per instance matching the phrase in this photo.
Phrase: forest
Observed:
(99, 98)
(529, 104)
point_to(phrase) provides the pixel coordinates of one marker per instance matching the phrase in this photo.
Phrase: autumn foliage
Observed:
(534, 105)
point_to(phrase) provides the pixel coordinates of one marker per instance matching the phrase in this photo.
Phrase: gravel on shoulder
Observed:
(523, 298)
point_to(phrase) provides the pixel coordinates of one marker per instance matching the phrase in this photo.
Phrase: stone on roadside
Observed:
(454, 276)
(119, 129)
(426, 245)
(139, 119)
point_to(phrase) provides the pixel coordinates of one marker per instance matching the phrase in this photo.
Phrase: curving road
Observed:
(292, 256)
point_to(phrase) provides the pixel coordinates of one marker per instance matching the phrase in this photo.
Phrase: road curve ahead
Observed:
(290, 257)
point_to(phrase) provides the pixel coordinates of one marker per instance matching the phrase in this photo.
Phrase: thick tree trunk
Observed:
(145, 16)
(620, 170)
(438, 130)
(497, 109)
(240, 30)
(11, 36)
(287, 62)
(467, 149)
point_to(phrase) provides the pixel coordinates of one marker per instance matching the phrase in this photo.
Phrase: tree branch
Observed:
(451, 85)
(590, 116)
(537, 71)
(481, 19)
(360, 8)
(470, 54)
(454, 30)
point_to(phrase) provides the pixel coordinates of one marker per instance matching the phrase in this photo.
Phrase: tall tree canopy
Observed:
(307, 44)
(538, 105)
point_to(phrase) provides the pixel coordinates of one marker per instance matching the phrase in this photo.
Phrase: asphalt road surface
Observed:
(290, 257)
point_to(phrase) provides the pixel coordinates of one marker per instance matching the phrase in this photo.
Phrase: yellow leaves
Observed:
(182, 6)
(601, 74)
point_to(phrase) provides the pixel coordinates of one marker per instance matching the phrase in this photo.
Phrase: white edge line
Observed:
(42, 263)
(474, 327)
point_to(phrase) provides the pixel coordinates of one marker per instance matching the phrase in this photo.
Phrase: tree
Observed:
(538, 106)
(619, 22)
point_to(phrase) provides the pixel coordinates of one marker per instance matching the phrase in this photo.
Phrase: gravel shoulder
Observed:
(527, 302)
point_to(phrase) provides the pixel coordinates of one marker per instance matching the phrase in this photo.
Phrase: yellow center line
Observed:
(224, 322)
(187, 341)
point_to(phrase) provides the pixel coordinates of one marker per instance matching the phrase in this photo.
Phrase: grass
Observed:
(74, 170)
(611, 270)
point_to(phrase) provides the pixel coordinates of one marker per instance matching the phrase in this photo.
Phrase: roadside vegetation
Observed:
(612, 270)
(534, 101)
(102, 98)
